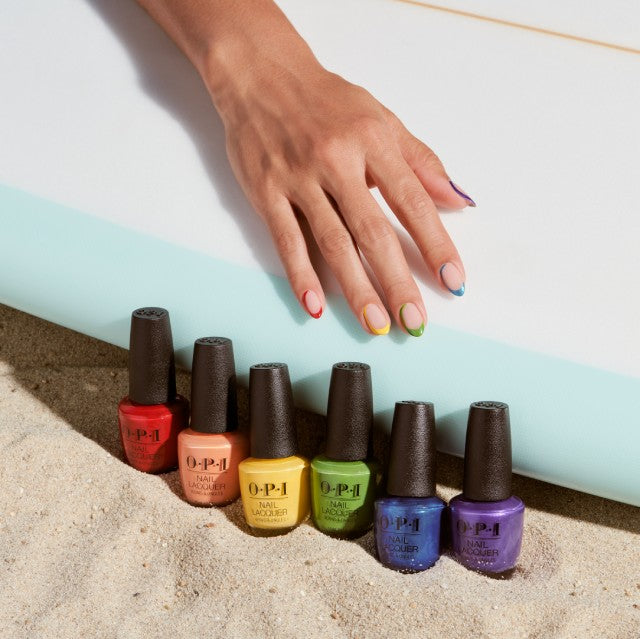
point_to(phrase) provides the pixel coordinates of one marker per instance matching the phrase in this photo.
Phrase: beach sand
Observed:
(91, 547)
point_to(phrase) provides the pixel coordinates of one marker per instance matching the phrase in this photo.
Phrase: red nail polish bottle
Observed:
(153, 414)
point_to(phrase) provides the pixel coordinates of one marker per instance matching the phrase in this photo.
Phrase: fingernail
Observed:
(461, 193)
(411, 319)
(312, 303)
(376, 319)
(452, 278)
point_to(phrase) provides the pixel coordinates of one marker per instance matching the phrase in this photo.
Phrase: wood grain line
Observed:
(526, 27)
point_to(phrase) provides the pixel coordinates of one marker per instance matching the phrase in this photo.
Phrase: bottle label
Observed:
(268, 502)
(479, 539)
(275, 492)
(342, 503)
(206, 475)
(150, 441)
(399, 537)
(487, 541)
(145, 444)
(207, 464)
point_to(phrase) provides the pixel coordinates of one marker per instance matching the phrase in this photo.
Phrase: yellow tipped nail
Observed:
(376, 320)
(380, 331)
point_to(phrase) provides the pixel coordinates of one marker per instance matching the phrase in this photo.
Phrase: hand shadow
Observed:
(81, 380)
(167, 77)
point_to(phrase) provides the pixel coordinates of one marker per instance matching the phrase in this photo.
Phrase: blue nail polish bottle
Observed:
(408, 522)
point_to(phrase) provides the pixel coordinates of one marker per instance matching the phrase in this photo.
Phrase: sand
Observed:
(91, 547)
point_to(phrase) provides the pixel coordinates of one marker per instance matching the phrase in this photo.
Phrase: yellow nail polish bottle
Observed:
(274, 481)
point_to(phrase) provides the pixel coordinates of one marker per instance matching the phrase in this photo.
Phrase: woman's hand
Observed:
(302, 140)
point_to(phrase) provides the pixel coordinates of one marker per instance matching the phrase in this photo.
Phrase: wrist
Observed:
(242, 64)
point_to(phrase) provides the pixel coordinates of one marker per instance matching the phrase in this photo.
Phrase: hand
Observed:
(304, 141)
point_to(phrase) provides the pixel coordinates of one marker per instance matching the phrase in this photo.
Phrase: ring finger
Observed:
(341, 254)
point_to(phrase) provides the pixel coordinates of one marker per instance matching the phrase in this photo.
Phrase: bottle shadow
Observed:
(48, 360)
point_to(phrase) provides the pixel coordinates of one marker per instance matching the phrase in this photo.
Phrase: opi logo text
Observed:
(206, 463)
(268, 489)
(478, 529)
(140, 434)
(399, 523)
(339, 489)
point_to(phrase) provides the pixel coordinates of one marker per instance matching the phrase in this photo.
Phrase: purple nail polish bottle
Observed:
(486, 519)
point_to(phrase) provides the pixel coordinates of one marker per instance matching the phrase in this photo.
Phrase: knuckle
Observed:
(297, 277)
(344, 144)
(263, 200)
(335, 243)
(437, 251)
(428, 158)
(372, 230)
(288, 243)
(264, 194)
(399, 288)
(412, 201)
(329, 151)
(369, 128)
(434, 163)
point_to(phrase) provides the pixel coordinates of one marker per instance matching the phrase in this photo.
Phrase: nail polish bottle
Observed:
(153, 414)
(345, 480)
(210, 450)
(408, 522)
(274, 481)
(486, 519)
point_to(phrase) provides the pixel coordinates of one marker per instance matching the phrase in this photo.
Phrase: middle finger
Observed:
(379, 244)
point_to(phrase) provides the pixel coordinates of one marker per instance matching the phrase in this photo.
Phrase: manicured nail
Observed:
(411, 319)
(461, 193)
(452, 278)
(376, 319)
(312, 303)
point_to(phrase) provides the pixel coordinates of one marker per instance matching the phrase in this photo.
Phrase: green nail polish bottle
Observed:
(345, 480)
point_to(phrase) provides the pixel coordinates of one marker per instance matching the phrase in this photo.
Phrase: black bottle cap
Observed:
(349, 412)
(214, 407)
(271, 417)
(487, 453)
(152, 374)
(412, 461)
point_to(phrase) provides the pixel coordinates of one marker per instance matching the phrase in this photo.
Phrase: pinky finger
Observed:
(432, 174)
(292, 249)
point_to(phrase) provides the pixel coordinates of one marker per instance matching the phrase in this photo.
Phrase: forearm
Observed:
(232, 43)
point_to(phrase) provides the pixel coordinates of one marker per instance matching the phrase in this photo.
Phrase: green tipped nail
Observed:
(416, 331)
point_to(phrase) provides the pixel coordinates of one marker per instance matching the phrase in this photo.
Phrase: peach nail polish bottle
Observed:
(210, 450)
